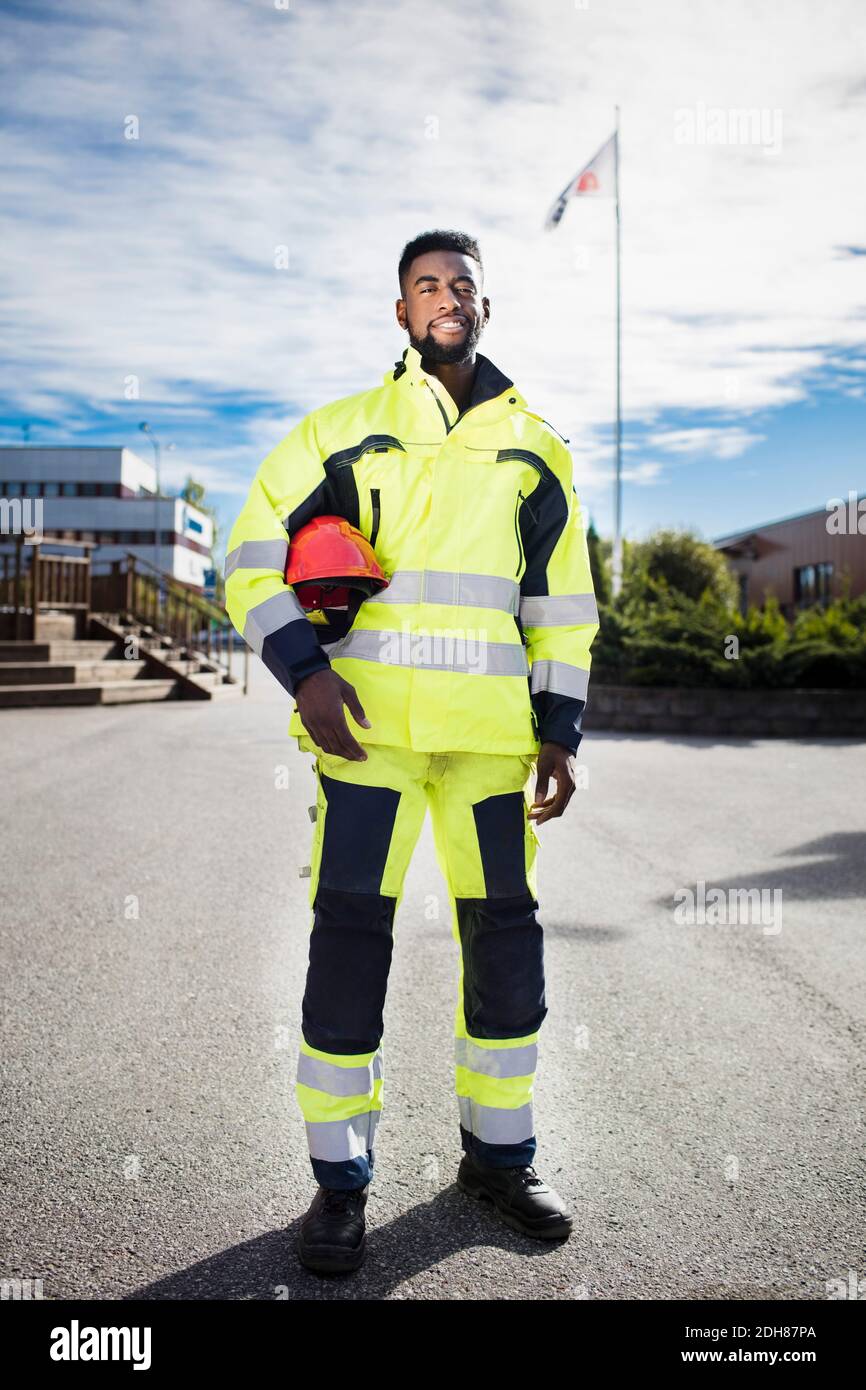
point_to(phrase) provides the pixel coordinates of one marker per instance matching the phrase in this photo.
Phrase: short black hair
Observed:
(437, 241)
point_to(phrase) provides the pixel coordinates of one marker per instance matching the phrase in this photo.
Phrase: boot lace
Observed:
(527, 1175)
(338, 1202)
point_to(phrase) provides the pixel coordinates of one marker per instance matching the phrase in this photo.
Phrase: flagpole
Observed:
(617, 504)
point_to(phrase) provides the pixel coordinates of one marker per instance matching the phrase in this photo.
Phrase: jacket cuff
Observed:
(293, 653)
(559, 718)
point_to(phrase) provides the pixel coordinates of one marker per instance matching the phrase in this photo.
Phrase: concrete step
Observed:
(109, 671)
(227, 691)
(186, 665)
(56, 651)
(35, 673)
(96, 693)
(208, 680)
(131, 692)
(67, 672)
(25, 651)
(90, 649)
(55, 627)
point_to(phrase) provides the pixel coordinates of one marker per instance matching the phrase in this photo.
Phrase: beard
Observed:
(435, 351)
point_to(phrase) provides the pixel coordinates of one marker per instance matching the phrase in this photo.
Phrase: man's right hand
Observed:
(320, 699)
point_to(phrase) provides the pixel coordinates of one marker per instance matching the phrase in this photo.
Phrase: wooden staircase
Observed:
(153, 639)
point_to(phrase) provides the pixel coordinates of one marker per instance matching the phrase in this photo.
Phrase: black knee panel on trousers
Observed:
(503, 966)
(350, 957)
(359, 824)
(500, 824)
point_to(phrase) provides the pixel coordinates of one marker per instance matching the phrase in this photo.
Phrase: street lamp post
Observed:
(157, 453)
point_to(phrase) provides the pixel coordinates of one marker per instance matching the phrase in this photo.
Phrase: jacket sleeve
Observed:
(558, 611)
(289, 489)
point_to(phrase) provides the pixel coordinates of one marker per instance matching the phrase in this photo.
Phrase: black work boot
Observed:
(523, 1198)
(332, 1237)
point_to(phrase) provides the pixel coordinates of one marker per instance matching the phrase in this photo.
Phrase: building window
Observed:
(69, 490)
(13, 490)
(107, 490)
(804, 585)
(32, 489)
(87, 489)
(107, 538)
(52, 489)
(813, 584)
(824, 581)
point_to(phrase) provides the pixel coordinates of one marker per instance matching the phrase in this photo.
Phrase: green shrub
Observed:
(672, 624)
(679, 562)
(825, 648)
(678, 641)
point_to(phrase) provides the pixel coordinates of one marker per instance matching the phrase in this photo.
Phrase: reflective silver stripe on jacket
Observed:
(496, 1061)
(432, 652)
(495, 1126)
(338, 1081)
(558, 610)
(258, 555)
(447, 587)
(560, 679)
(267, 617)
(340, 1139)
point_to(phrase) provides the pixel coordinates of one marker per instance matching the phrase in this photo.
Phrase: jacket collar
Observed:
(490, 385)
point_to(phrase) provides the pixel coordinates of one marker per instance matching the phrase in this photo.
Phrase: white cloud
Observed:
(720, 441)
(310, 128)
(644, 474)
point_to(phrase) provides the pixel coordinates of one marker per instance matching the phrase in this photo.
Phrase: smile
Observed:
(450, 325)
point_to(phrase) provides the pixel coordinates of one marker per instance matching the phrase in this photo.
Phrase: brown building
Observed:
(803, 559)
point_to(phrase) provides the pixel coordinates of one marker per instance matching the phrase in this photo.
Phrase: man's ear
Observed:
(400, 310)
(485, 304)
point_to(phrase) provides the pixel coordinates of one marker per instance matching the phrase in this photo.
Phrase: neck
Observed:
(456, 377)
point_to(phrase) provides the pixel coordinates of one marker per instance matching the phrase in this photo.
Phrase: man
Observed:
(468, 668)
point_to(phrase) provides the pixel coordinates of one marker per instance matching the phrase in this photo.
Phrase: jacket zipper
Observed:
(374, 529)
(442, 410)
(517, 532)
(525, 501)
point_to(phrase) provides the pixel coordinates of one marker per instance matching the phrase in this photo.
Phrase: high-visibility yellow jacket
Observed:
(481, 642)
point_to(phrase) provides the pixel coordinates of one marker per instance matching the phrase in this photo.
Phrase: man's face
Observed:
(444, 311)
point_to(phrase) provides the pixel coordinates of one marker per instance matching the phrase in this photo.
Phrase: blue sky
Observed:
(325, 135)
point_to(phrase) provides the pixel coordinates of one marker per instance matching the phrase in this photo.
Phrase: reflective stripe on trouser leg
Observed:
(486, 847)
(341, 1100)
(494, 1092)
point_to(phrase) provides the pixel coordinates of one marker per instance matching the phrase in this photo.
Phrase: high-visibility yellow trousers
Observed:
(369, 816)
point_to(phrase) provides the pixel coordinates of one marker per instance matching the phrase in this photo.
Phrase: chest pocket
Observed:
(390, 478)
(497, 527)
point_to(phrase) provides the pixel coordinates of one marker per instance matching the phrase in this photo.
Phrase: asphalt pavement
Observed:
(700, 1090)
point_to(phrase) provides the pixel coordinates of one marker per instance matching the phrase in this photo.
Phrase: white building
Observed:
(106, 495)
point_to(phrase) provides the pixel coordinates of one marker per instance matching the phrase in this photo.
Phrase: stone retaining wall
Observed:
(736, 713)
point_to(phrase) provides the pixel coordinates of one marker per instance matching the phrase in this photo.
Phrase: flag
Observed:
(597, 178)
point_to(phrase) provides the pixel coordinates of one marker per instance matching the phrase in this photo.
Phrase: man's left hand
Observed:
(556, 761)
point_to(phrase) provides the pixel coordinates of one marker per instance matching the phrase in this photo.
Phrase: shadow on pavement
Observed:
(418, 1240)
(837, 870)
(577, 932)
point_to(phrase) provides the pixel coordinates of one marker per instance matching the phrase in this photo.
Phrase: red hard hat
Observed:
(327, 559)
